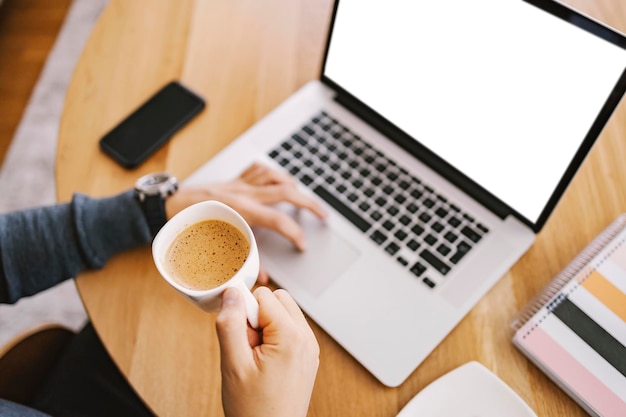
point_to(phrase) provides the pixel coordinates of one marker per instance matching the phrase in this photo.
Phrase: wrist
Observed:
(151, 191)
(185, 198)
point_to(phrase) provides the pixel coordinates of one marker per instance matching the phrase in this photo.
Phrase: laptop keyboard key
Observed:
(378, 237)
(400, 235)
(400, 199)
(434, 261)
(437, 227)
(405, 220)
(443, 249)
(450, 237)
(412, 208)
(392, 248)
(388, 225)
(441, 212)
(428, 282)
(417, 229)
(416, 194)
(468, 218)
(413, 245)
(461, 250)
(418, 269)
(306, 180)
(471, 234)
(430, 239)
(299, 139)
(454, 222)
(346, 211)
(425, 217)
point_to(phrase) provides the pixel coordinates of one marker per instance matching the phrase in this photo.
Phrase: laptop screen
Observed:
(499, 89)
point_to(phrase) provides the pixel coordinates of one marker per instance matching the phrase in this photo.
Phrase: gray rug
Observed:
(27, 175)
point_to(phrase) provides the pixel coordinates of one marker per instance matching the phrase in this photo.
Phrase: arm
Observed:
(43, 246)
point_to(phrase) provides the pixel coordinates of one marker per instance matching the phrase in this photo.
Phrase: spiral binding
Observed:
(551, 290)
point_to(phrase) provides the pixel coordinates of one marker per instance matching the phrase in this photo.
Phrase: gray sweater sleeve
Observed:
(41, 247)
(11, 409)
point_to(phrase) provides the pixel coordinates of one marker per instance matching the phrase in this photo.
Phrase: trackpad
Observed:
(327, 256)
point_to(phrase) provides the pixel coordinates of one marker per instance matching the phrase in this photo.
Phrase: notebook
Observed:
(439, 136)
(575, 329)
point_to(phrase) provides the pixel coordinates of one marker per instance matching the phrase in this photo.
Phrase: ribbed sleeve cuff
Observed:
(108, 226)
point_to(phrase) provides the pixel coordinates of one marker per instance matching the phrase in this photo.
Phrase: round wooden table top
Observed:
(245, 57)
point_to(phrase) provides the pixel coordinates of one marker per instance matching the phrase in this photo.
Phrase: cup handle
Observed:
(252, 305)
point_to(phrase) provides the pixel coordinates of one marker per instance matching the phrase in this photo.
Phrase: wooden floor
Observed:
(28, 29)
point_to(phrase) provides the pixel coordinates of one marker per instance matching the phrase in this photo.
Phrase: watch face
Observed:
(156, 179)
(154, 184)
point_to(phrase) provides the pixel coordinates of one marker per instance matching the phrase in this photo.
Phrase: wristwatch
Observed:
(151, 191)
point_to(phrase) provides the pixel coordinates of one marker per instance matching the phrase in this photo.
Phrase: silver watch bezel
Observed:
(157, 183)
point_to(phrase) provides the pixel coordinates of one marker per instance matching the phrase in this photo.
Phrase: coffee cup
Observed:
(205, 218)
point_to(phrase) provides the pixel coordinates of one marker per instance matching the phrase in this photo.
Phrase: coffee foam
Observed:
(207, 254)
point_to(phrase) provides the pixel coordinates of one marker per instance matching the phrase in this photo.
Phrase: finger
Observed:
(232, 330)
(284, 193)
(271, 312)
(291, 306)
(252, 171)
(269, 218)
(261, 174)
(275, 176)
(254, 337)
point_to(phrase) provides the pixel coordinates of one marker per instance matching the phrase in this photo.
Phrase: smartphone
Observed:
(148, 127)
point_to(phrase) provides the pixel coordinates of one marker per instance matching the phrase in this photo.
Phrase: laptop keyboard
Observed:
(419, 227)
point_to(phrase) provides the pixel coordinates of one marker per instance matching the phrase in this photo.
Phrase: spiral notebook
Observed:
(575, 329)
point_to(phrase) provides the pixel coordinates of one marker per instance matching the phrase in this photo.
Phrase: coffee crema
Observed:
(207, 254)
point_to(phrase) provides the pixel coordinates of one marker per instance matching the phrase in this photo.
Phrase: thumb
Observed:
(232, 329)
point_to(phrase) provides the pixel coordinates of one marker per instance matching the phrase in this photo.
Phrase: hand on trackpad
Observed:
(327, 256)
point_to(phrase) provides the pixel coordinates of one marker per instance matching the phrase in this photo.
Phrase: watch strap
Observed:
(151, 191)
(154, 210)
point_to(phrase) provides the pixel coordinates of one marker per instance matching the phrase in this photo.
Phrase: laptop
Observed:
(439, 137)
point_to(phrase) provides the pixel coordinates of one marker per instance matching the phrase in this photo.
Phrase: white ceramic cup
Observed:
(244, 279)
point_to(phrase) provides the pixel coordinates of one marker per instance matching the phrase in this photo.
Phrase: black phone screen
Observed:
(151, 125)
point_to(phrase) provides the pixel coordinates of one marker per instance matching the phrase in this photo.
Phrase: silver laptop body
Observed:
(388, 294)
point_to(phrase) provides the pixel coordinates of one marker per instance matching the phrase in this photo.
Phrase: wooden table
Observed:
(245, 57)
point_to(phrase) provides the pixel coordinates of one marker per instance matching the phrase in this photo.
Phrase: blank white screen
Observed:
(500, 89)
